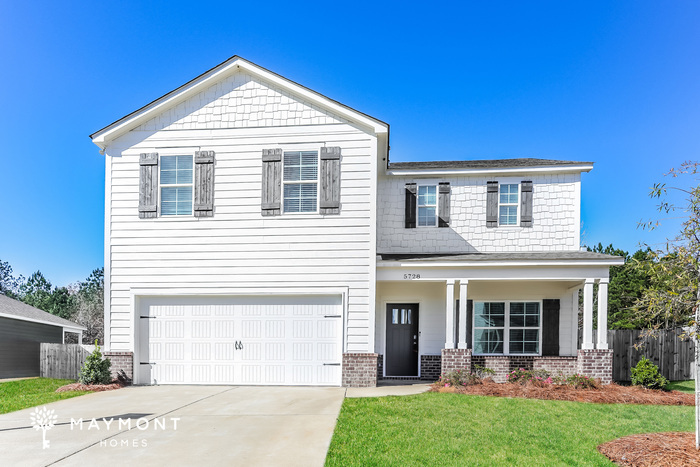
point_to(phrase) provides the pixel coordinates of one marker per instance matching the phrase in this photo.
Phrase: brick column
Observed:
(596, 363)
(456, 359)
(121, 361)
(359, 370)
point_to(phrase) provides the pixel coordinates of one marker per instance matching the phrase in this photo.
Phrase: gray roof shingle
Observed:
(14, 307)
(488, 257)
(484, 164)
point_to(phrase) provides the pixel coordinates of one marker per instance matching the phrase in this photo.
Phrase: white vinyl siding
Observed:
(238, 251)
(508, 204)
(176, 185)
(427, 206)
(300, 181)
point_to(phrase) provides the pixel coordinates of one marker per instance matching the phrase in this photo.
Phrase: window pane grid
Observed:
(176, 177)
(300, 177)
(427, 206)
(508, 204)
(519, 321)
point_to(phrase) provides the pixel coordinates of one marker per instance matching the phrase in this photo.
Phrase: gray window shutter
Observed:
(444, 204)
(550, 327)
(329, 200)
(410, 214)
(204, 184)
(148, 185)
(491, 204)
(271, 203)
(526, 203)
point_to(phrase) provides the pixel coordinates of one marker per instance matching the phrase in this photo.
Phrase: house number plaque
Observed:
(411, 276)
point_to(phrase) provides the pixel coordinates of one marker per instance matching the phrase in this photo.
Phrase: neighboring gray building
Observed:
(22, 329)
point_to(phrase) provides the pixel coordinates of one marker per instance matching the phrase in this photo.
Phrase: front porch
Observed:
(443, 314)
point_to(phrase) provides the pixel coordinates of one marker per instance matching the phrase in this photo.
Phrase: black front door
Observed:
(401, 339)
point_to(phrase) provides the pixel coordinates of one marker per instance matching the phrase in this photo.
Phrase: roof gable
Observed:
(208, 85)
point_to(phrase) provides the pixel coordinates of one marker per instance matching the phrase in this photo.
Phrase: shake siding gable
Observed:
(239, 251)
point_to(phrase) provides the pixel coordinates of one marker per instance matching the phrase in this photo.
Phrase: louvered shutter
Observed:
(330, 181)
(470, 312)
(271, 202)
(148, 185)
(204, 184)
(444, 204)
(410, 213)
(491, 204)
(526, 203)
(550, 327)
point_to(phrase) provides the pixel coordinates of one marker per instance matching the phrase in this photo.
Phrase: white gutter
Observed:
(509, 170)
(473, 264)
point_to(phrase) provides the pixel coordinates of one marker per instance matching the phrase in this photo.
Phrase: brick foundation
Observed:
(121, 361)
(430, 367)
(556, 365)
(360, 370)
(503, 365)
(596, 363)
(456, 359)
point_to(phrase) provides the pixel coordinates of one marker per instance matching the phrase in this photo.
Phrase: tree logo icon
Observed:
(44, 420)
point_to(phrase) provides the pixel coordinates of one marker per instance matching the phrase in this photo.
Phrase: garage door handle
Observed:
(333, 316)
(146, 363)
(238, 345)
(331, 364)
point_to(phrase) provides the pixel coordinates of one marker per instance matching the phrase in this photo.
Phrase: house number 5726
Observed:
(411, 276)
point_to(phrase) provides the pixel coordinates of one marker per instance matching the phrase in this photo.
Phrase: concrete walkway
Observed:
(180, 425)
(388, 390)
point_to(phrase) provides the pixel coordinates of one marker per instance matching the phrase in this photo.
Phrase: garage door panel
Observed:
(249, 340)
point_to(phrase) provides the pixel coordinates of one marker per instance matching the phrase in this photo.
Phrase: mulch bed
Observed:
(653, 449)
(89, 387)
(608, 394)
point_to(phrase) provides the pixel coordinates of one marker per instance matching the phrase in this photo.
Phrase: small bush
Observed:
(460, 378)
(95, 370)
(483, 372)
(647, 374)
(523, 376)
(580, 382)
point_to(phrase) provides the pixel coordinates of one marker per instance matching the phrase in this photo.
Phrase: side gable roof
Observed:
(486, 166)
(232, 65)
(11, 308)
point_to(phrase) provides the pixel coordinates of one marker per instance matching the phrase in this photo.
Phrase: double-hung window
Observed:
(300, 181)
(176, 185)
(508, 204)
(427, 206)
(510, 328)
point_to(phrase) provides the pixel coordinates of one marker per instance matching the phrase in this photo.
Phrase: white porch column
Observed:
(462, 344)
(588, 315)
(80, 337)
(449, 315)
(602, 314)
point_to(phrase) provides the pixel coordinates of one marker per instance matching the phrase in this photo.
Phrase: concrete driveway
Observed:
(180, 425)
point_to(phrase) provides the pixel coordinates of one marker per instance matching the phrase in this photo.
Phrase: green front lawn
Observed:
(683, 386)
(17, 395)
(453, 429)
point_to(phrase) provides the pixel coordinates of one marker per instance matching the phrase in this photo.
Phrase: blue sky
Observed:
(617, 83)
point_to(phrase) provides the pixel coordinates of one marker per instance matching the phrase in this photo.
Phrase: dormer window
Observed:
(508, 204)
(427, 206)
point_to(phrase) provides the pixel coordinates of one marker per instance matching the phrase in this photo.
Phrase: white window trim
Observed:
(506, 328)
(167, 185)
(517, 204)
(437, 203)
(317, 149)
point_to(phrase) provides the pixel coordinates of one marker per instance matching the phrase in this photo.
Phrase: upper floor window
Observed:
(508, 204)
(300, 181)
(427, 205)
(176, 185)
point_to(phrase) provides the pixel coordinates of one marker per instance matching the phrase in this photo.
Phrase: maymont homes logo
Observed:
(44, 419)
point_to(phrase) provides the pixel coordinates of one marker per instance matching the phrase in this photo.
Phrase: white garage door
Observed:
(279, 340)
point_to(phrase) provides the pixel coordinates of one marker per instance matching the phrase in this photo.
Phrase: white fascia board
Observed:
(491, 264)
(101, 139)
(40, 321)
(495, 171)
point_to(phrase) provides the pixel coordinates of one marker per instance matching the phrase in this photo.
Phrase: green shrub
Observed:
(459, 378)
(647, 374)
(483, 372)
(522, 376)
(580, 382)
(95, 370)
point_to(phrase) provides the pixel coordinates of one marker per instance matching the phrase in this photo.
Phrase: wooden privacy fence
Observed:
(674, 356)
(62, 360)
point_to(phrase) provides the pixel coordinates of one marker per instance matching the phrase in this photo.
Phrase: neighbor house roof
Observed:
(550, 257)
(487, 166)
(219, 72)
(14, 309)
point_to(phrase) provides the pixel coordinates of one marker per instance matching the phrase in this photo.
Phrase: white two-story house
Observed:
(257, 233)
